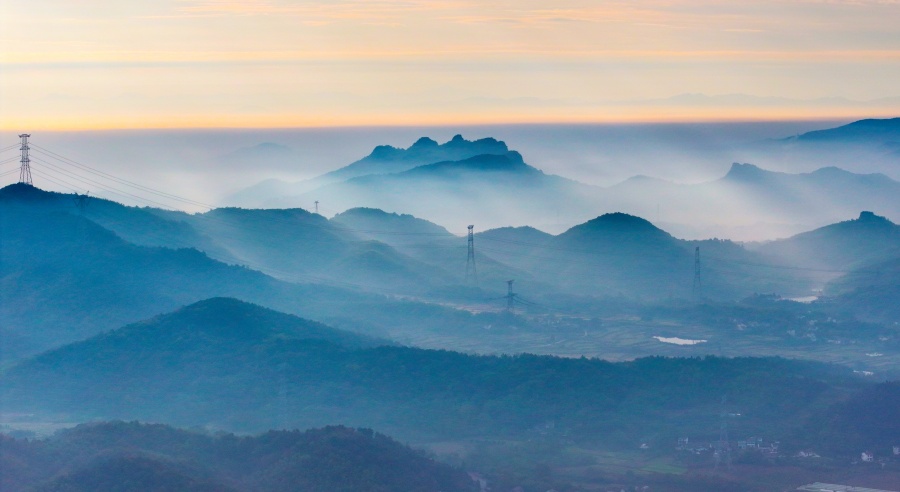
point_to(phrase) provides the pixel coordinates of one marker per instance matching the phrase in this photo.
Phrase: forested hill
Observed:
(133, 457)
(249, 378)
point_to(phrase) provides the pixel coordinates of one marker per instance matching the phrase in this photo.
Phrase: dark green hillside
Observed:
(126, 457)
(186, 370)
(130, 474)
(868, 421)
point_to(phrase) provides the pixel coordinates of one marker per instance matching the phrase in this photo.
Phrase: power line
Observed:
(7, 173)
(125, 182)
(64, 185)
(105, 187)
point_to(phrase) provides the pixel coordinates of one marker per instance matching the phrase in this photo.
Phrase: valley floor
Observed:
(621, 338)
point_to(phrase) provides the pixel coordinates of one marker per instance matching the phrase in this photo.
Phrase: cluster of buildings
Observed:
(869, 456)
(767, 448)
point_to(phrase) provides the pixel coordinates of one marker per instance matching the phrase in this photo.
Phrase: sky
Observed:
(97, 64)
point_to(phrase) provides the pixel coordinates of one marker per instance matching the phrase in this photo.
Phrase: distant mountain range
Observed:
(877, 131)
(749, 195)
(842, 246)
(64, 277)
(69, 273)
(864, 146)
(483, 182)
(384, 159)
(387, 253)
(494, 187)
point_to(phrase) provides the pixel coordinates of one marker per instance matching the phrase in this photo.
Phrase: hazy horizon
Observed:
(208, 165)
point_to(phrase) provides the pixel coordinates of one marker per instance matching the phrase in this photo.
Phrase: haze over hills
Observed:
(749, 200)
(841, 246)
(614, 285)
(384, 159)
(619, 254)
(371, 250)
(747, 203)
(63, 278)
(571, 246)
(500, 189)
(865, 146)
(871, 291)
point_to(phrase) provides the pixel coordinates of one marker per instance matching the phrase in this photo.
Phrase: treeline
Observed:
(125, 457)
(230, 365)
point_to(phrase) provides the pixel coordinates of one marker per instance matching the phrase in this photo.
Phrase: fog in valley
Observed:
(679, 176)
(627, 292)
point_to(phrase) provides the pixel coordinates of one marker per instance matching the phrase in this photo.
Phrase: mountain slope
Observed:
(394, 229)
(384, 159)
(840, 246)
(753, 202)
(253, 377)
(64, 278)
(126, 457)
(619, 254)
(870, 292)
(495, 189)
(142, 226)
(296, 245)
(387, 160)
(292, 245)
(869, 130)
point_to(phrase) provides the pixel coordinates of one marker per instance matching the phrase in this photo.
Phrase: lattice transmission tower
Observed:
(25, 169)
(471, 271)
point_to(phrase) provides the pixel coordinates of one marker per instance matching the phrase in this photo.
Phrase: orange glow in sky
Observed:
(199, 63)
